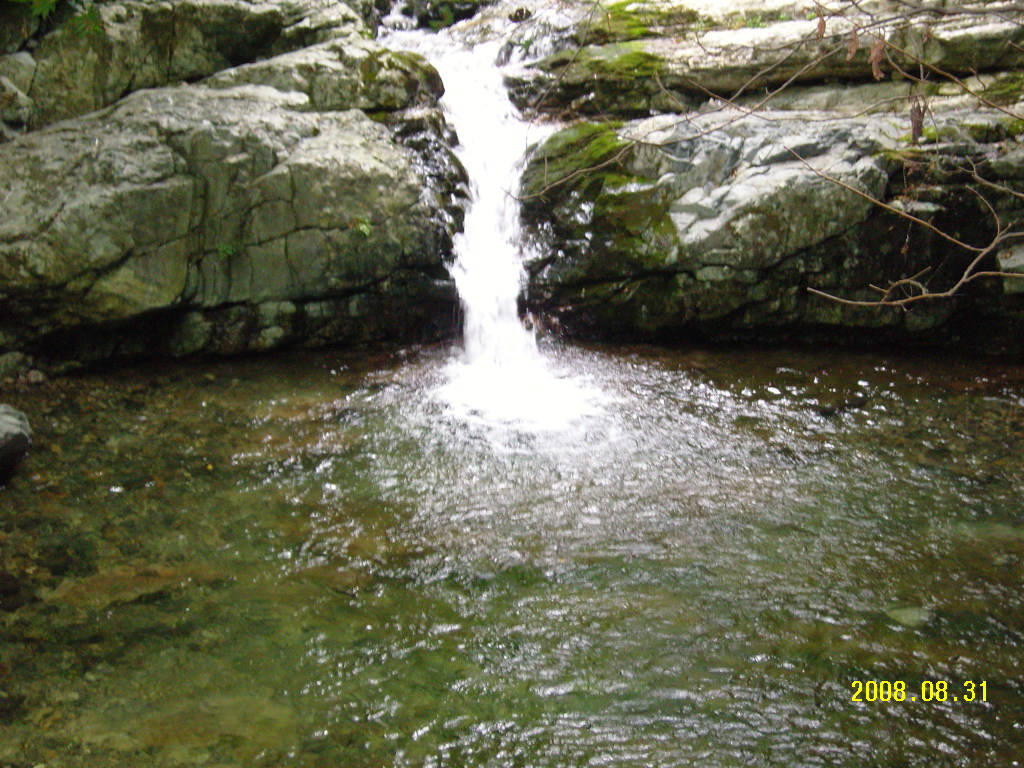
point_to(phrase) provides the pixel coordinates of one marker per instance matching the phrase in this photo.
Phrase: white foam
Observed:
(500, 375)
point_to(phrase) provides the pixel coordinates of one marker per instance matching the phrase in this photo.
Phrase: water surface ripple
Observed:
(307, 560)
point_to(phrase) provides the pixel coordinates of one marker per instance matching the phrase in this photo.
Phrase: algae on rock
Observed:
(660, 228)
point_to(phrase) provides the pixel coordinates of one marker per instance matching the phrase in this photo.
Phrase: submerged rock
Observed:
(912, 617)
(128, 584)
(15, 440)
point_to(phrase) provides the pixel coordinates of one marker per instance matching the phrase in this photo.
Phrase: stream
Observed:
(512, 554)
(306, 560)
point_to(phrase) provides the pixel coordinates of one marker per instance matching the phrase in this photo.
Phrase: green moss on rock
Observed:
(980, 131)
(1006, 89)
(621, 78)
(579, 159)
(620, 62)
(618, 22)
(580, 186)
(628, 20)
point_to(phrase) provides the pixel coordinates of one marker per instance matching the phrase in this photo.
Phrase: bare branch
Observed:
(885, 206)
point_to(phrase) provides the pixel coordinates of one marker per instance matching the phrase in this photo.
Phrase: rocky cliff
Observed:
(222, 176)
(724, 161)
(225, 175)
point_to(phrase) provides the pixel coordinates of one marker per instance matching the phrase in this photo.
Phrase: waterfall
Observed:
(500, 375)
(488, 270)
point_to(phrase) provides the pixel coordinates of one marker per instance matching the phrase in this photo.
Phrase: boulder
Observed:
(236, 215)
(636, 59)
(751, 186)
(718, 224)
(15, 440)
(343, 74)
(96, 58)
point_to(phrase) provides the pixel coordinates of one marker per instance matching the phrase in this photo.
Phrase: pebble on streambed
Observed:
(15, 440)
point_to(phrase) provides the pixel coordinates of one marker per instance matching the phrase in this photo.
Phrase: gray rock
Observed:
(15, 440)
(719, 223)
(15, 106)
(196, 198)
(644, 59)
(343, 74)
(1012, 261)
(140, 44)
(19, 68)
(309, 22)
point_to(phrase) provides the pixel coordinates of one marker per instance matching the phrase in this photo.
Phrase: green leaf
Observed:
(88, 22)
(363, 226)
(39, 8)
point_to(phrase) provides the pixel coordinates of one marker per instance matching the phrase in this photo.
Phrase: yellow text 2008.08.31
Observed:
(927, 690)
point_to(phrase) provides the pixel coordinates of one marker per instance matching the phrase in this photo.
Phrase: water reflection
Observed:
(310, 561)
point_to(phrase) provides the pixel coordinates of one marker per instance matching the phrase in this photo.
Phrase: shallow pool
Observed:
(308, 560)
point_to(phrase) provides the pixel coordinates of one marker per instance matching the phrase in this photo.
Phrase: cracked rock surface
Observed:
(305, 197)
(687, 231)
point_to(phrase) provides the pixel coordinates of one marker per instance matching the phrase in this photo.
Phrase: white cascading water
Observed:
(500, 375)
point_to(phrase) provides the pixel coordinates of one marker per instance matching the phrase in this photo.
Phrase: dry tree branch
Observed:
(959, 82)
(575, 55)
(904, 291)
(967, 276)
(885, 206)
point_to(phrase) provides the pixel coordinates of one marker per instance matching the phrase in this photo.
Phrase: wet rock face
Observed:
(438, 14)
(661, 228)
(675, 214)
(307, 197)
(15, 440)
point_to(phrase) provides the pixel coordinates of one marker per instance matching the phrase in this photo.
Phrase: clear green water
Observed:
(303, 561)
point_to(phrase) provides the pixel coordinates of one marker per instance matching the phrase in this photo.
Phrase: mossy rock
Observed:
(581, 191)
(979, 132)
(1006, 89)
(623, 62)
(622, 79)
(754, 19)
(628, 20)
(615, 23)
(576, 160)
